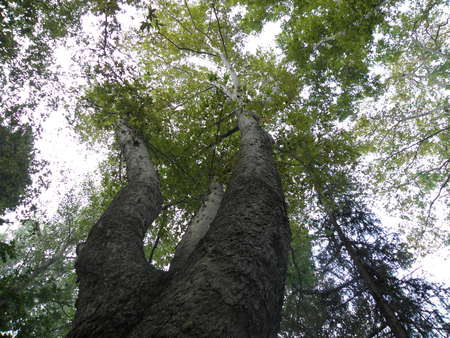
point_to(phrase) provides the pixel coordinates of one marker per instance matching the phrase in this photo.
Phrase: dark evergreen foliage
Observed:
(343, 302)
(16, 165)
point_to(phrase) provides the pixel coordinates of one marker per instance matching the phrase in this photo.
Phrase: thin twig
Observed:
(155, 244)
(417, 143)
(194, 22)
(186, 48)
(435, 199)
(220, 31)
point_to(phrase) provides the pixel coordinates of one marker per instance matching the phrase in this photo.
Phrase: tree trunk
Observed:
(388, 313)
(383, 306)
(111, 266)
(228, 278)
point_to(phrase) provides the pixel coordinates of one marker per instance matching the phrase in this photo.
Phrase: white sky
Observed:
(69, 160)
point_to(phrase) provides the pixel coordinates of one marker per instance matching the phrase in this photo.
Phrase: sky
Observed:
(70, 160)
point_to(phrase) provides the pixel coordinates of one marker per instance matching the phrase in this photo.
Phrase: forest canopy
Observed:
(354, 98)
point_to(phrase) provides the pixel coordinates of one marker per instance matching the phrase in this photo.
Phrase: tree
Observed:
(186, 108)
(231, 280)
(28, 34)
(117, 101)
(37, 279)
(355, 288)
(227, 274)
(37, 282)
(374, 257)
(16, 162)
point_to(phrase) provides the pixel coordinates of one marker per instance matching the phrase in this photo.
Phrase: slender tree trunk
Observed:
(383, 306)
(388, 313)
(227, 278)
(198, 227)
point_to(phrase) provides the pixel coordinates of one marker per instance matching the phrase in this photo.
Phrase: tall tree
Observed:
(190, 30)
(356, 288)
(29, 31)
(227, 275)
(183, 104)
(37, 282)
(231, 280)
(16, 165)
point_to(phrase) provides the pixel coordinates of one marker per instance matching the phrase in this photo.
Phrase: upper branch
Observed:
(185, 48)
(139, 166)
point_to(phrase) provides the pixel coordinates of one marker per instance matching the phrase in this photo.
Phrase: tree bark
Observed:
(227, 278)
(111, 267)
(198, 227)
(232, 284)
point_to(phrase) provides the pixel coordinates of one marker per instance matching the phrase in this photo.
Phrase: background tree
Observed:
(338, 48)
(407, 127)
(16, 162)
(37, 282)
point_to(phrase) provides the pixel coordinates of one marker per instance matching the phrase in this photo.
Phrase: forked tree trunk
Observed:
(227, 278)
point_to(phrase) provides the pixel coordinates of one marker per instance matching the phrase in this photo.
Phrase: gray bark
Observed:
(198, 227)
(112, 270)
(229, 279)
(232, 284)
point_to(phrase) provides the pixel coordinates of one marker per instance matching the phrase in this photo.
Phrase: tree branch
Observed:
(220, 31)
(417, 143)
(186, 48)
(443, 185)
(155, 244)
(198, 227)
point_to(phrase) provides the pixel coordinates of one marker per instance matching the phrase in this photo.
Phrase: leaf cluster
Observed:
(16, 165)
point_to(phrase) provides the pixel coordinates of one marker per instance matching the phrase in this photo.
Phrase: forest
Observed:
(271, 169)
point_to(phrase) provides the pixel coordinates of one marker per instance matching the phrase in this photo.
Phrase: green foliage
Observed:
(38, 282)
(329, 44)
(301, 305)
(35, 20)
(37, 285)
(406, 130)
(29, 31)
(7, 251)
(16, 165)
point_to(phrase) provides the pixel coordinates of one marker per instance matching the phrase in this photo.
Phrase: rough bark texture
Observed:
(230, 282)
(111, 267)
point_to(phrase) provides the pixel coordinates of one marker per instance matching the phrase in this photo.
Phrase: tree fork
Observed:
(232, 283)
